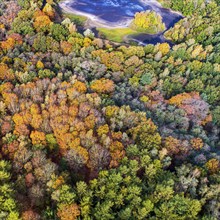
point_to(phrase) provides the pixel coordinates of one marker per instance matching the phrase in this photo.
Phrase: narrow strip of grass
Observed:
(76, 19)
(117, 34)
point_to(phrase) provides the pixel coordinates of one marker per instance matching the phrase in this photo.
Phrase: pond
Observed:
(119, 13)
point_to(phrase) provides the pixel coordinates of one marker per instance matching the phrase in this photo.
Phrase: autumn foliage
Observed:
(5, 72)
(93, 129)
(68, 212)
(103, 86)
(42, 23)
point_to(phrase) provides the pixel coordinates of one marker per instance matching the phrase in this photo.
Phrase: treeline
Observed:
(90, 130)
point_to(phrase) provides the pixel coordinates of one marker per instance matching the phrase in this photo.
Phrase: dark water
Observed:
(119, 11)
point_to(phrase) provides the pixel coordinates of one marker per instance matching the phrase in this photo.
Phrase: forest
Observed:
(91, 129)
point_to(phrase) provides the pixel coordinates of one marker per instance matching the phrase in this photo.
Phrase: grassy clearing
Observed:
(117, 34)
(77, 19)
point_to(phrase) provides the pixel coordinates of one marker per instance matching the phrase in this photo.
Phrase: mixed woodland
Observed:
(90, 129)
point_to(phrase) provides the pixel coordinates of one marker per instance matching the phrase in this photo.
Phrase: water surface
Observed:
(119, 13)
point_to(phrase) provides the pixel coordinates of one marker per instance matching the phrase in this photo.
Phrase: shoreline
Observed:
(93, 21)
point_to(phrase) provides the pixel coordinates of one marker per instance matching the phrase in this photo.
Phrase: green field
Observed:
(117, 34)
(77, 19)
